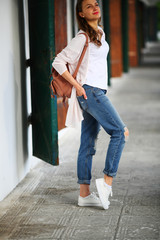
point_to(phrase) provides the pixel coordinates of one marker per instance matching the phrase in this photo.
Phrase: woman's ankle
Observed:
(108, 179)
(84, 190)
(84, 195)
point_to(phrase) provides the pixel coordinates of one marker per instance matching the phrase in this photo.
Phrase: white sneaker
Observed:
(90, 200)
(103, 192)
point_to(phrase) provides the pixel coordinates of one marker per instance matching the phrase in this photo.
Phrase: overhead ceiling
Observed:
(150, 2)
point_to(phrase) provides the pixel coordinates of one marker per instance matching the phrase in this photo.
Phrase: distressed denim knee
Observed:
(126, 134)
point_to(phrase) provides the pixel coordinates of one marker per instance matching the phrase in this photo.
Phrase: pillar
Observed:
(133, 38)
(60, 43)
(116, 38)
(124, 9)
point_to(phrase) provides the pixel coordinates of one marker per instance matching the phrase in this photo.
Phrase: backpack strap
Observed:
(82, 55)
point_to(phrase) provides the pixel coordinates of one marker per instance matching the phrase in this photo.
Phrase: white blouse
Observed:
(97, 74)
(70, 54)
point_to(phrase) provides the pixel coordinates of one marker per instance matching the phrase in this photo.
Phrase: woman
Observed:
(90, 104)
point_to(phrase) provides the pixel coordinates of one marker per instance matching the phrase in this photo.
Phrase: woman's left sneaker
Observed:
(103, 192)
(90, 200)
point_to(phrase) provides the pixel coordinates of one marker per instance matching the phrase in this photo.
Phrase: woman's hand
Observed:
(79, 89)
(81, 92)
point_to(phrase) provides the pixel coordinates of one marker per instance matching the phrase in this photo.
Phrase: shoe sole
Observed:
(105, 206)
(93, 205)
(89, 205)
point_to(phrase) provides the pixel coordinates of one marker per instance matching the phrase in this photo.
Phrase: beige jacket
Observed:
(71, 54)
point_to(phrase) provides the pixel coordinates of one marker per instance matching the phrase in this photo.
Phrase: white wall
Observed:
(69, 21)
(14, 163)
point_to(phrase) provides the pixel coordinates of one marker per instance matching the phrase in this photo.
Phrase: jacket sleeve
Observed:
(70, 54)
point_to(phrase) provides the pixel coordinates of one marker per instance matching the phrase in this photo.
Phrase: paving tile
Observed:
(138, 232)
(40, 231)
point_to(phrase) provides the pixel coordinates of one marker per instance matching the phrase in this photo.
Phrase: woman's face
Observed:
(90, 10)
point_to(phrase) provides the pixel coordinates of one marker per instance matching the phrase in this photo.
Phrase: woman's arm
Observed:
(79, 89)
(70, 54)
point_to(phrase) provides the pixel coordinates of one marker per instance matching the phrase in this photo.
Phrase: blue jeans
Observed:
(98, 110)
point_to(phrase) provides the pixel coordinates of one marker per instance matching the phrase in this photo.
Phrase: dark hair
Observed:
(83, 24)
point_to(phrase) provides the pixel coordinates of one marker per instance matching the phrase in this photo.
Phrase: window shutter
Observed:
(44, 109)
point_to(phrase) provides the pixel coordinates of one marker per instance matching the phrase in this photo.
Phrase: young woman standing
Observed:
(90, 104)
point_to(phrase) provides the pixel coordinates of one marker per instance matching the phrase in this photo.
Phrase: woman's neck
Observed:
(94, 25)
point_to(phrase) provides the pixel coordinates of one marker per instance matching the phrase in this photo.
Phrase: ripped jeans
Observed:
(98, 110)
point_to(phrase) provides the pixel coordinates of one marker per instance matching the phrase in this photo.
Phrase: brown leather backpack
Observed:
(59, 86)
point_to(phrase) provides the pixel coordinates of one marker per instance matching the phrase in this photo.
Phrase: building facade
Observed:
(32, 33)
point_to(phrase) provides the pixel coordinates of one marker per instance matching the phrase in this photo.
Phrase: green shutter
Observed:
(107, 32)
(73, 17)
(44, 109)
(124, 6)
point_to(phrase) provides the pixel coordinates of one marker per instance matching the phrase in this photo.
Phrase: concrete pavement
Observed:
(44, 204)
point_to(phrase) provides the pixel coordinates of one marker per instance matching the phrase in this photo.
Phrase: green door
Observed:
(44, 109)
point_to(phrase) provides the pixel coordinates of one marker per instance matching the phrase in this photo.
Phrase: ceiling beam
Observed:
(150, 2)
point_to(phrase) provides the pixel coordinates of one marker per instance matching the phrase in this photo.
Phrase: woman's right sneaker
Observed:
(91, 200)
(103, 192)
